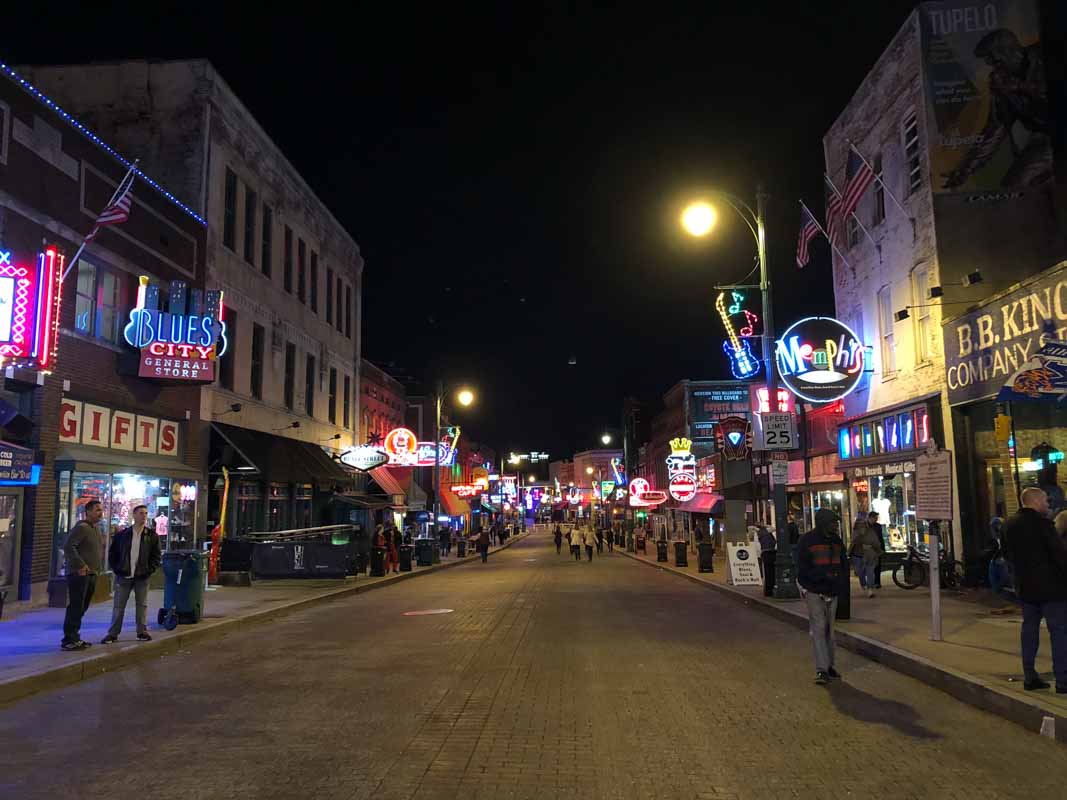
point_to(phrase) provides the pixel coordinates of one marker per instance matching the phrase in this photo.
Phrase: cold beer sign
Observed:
(182, 343)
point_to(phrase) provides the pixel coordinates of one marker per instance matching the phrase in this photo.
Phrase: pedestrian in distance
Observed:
(576, 543)
(589, 537)
(1060, 523)
(879, 530)
(557, 535)
(821, 568)
(599, 541)
(398, 542)
(768, 556)
(133, 556)
(84, 551)
(611, 540)
(483, 544)
(1039, 558)
(392, 556)
(858, 526)
(866, 551)
(444, 539)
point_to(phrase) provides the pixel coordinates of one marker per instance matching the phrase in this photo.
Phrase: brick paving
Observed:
(550, 679)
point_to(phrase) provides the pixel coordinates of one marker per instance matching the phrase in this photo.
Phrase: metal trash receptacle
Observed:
(184, 574)
(681, 554)
(461, 548)
(706, 557)
(423, 552)
(406, 552)
(377, 562)
(661, 551)
(436, 552)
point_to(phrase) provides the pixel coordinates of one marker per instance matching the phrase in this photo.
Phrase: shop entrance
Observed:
(10, 526)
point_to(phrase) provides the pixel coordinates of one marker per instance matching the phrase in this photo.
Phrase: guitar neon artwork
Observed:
(743, 363)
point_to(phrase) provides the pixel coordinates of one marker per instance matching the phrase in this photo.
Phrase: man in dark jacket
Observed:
(1039, 558)
(768, 546)
(83, 550)
(879, 530)
(134, 555)
(821, 570)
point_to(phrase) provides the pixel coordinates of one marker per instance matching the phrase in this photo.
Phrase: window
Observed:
(301, 270)
(256, 373)
(920, 281)
(226, 365)
(287, 255)
(885, 324)
(251, 202)
(290, 373)
(878, 215)
(331, 409)
(912, 160)
(852, 230)
(229, 211)
(340, 293)
(313, 278)
(309, 386)
(98, 305)
(5, 118)
(348, 311)
(347, 405)
(268, 240)
(329, 296)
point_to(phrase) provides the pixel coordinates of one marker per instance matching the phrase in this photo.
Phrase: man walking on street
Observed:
(134, 555)
(768, 551)
(1039, 558)
(879, 531)
(821, 568)
(84, 552)
(483, 544)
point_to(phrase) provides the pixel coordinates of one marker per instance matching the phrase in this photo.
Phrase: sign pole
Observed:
(933, 502)
(935, 581)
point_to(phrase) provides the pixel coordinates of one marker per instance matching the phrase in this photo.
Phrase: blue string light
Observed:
(37, 94)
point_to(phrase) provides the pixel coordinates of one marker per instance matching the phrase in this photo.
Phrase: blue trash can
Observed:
(183, 588)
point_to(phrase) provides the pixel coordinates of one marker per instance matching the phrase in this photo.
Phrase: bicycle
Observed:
(914, 571)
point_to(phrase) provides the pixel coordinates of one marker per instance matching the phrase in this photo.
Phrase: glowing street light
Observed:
(588, 470)
(606, 438)
(465, 397)
(699, 218)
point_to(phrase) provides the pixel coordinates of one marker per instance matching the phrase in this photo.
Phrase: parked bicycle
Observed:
(914, 570)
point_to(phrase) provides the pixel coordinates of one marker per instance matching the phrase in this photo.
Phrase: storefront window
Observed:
(868, 440)
(893, 497)
(302, 506)
(857, 442)
(879, 437)
(75, 491)
(249, 506)
(922, 427)
(279, 507)
(892, 434)
(10, 500)
(171, 507)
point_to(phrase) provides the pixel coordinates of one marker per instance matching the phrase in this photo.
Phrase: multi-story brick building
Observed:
(290, 271)
(96, 422)
(383, 405)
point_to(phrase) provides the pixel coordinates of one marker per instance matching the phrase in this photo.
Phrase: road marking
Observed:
(427, 612)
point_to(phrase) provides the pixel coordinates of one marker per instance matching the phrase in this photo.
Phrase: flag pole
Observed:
(70, 264)
(878, 178)
(852, 214)
(824, 233)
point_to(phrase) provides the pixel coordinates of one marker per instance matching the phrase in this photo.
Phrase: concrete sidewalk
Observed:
(977, 661)
(31, 661)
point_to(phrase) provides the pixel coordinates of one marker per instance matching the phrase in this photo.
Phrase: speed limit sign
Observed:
(779, 432)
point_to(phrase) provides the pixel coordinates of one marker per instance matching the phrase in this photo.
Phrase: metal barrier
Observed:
(297, 534)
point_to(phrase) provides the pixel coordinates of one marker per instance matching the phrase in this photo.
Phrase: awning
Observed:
(392, 480)
(416, 497)
(361, 501)
(277, 458)
(452, 505)
(100, 459)
(702, 503)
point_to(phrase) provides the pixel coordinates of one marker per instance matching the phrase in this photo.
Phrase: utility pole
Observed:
(437, 456)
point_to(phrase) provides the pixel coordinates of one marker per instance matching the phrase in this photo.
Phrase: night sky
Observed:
(513, 175)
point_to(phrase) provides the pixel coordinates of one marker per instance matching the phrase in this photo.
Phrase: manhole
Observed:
(427, 612)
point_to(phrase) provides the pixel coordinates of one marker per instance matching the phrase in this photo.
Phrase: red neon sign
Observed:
(29, 310)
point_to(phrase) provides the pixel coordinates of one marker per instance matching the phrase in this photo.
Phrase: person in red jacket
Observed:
(392, 555)
(822, 570)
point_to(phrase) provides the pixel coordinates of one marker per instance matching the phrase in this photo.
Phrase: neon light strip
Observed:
(35, 349)
(33, 91)
(51, 253)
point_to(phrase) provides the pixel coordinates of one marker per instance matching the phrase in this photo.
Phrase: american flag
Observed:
(835, 220)
(858, 176)
(119, 209)
(809, 229)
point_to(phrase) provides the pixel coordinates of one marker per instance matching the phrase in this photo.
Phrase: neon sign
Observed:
(682, 470)
(734, 436)
(182, 343)
(29, 310)
(643, 496)
(821, 359)
(618, 471)
(403, 449)
(743, 363)
(464, 490)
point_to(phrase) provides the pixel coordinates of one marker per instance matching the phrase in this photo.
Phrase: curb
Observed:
(974, 691)
(68, 674)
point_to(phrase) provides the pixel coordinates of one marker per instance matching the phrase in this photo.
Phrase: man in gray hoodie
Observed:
(84, 551)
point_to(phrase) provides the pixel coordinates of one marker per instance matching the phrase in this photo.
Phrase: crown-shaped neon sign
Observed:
(680, 446)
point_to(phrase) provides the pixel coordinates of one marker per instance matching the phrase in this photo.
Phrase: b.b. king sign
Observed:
(182, 343)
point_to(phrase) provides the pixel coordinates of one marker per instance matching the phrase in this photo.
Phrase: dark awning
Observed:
(277, 458)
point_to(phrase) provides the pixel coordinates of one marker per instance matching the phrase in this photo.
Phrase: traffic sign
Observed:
(778, 431)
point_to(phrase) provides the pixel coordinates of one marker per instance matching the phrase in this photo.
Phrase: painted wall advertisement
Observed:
(987, 102)
(985, 348)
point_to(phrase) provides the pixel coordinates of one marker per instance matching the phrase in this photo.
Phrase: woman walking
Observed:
(558, 536)
(866, 550)
(576, 543)
(590, 543)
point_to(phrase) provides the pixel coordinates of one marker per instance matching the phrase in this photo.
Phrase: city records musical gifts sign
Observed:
(100, 426)
(182, 343)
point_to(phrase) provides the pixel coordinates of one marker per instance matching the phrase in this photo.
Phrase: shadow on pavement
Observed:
(865, 707)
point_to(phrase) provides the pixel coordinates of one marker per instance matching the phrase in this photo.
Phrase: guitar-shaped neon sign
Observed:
(743, 363)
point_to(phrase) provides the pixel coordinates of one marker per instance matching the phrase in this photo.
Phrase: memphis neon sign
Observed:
(821, 359)
(183, 343)
(29, 310)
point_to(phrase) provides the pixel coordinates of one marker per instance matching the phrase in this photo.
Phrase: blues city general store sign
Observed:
(985, 348)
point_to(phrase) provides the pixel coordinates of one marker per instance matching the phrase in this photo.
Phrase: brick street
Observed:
(549, 679)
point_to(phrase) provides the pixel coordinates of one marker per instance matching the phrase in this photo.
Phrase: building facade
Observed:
(290, 272)
(383, 403)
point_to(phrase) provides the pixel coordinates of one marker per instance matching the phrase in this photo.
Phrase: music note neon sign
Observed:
(743, 363)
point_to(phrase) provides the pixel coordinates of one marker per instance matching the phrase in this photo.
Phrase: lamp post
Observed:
(698, 219)
(464, 397)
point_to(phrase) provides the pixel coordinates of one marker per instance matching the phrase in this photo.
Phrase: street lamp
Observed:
(464, 397)
(698, 219)
(605, 439)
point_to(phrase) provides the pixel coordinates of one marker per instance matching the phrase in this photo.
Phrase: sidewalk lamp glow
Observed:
(588, 470)
(531, 479)
(699, 218)
(465, 397)
(606, 438)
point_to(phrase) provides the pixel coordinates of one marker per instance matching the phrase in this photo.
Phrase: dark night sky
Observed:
(513, 174)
